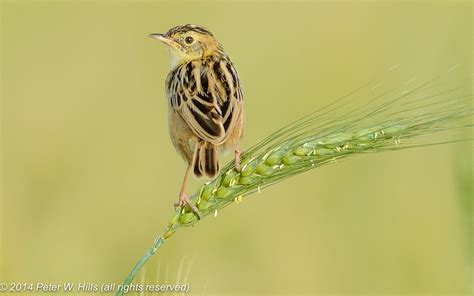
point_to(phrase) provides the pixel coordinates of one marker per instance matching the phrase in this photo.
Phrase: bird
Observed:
(205, 102)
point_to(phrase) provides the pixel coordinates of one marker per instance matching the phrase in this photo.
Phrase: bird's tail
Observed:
(205, 160)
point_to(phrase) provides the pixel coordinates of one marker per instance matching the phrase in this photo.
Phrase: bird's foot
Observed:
(237, 153)
(183, 201)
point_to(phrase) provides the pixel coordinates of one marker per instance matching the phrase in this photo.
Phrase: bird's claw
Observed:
(237, 153)
(183, 201)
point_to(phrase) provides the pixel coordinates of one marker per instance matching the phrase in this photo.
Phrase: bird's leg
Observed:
(237, 153)
(183, 199)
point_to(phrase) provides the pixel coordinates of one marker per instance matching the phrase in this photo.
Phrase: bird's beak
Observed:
(163, 38)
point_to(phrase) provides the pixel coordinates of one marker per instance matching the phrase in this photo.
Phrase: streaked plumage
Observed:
(204, 97)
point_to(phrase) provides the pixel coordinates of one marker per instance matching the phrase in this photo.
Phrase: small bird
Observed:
(205, 101)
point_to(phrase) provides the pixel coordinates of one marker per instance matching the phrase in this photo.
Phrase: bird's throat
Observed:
(175, 58)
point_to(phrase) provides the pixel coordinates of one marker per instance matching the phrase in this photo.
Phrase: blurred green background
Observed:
(89, 174)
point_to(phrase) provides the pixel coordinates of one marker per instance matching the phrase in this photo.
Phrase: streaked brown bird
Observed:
(205, 101)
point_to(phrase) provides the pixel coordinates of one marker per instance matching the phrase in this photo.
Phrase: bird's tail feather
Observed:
(205, 160)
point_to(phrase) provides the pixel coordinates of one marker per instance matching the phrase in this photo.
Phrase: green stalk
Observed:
(324, 137)
(160, 240)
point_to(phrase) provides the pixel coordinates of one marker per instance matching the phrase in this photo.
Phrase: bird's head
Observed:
(188, 42)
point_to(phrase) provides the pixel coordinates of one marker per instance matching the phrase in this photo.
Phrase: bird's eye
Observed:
(189, 40)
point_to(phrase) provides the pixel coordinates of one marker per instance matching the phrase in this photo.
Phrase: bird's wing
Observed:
(187, 91)
(207, 99)
(228, 93)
